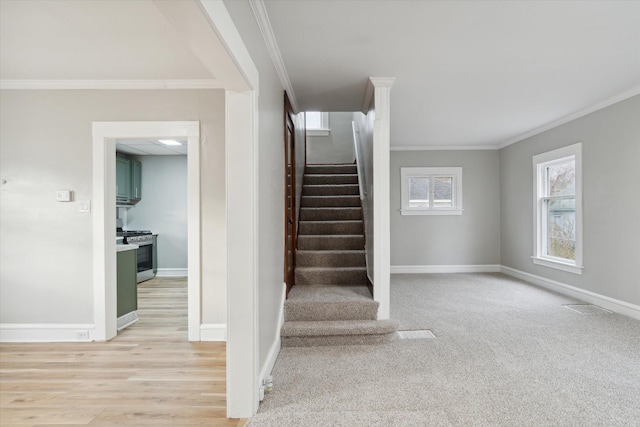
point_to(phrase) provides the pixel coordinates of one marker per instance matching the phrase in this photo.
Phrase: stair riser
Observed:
(311, 341)
(330, 169)
(330, 201)
(319, 311)
(317, 227)
(330, 277)
(324, 259)
(316, 243)
(330, 179)
(337, 214)
(330, 190)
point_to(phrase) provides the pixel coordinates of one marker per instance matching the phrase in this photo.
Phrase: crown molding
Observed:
(443, 147)
(260, 12)
(109, 84)
(573, 116)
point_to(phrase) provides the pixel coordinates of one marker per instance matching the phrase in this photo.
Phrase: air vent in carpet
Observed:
(414, 335)
(587, 309)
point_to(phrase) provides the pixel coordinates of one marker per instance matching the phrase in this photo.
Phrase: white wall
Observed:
(472, 238)
(163, 208)
(611, 186)
(364, 126)
(337, 147)
(45, 145)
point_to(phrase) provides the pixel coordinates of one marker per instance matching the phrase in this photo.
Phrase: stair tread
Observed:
(332, 268)
(329, 293)
(338, 327)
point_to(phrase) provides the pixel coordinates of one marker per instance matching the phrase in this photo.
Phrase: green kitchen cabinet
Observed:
(136, 180)
(127, 289)
(123, 178)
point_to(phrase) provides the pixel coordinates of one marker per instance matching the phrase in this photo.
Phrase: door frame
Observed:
(104, 212)
(290, 203)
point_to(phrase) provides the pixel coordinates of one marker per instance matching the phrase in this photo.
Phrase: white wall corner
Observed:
(262, 17)
(46, 332)
(429, 269)
(618, 306)
(213, 332)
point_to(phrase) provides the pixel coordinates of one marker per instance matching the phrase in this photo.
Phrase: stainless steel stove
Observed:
(144, 240)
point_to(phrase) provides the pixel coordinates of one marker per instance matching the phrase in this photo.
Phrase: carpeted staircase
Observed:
(331, 303)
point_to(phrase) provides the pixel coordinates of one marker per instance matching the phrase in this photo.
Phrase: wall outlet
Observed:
(82, 335)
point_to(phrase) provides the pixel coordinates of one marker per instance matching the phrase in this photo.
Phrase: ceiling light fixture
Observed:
(169, 142)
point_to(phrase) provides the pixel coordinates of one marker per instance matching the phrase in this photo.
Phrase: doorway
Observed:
(291, 223)
(104, 179)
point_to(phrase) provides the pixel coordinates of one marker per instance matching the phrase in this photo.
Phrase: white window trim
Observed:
(455, 172)
(539, 162)
(324, 128)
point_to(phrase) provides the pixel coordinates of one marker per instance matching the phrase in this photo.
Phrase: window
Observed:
(558, 209)
(431, 191)
(317, 123)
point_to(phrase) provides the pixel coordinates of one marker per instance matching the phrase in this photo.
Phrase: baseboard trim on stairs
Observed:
(274, 350)
(422, 269)
(621, 307)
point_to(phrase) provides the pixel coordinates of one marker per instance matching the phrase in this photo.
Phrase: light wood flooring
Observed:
(148, 375)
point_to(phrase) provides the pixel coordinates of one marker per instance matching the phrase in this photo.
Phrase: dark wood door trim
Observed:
(290, 217)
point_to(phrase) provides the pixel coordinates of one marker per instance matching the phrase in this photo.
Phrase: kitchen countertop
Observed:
(129, 247)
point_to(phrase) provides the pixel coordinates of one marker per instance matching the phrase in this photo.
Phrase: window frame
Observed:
(324, 128)
(540, 228)
(432, 172)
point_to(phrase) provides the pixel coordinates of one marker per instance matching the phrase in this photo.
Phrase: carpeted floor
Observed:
(504, 354)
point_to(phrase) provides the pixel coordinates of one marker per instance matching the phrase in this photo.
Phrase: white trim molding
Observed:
(274, 350)
(127, 320)
(621, 307)
(172, 272)
(573, 116)
(260, 12)
(443, 147)
(108, 84)
(428, 269)
(47, 332)
(213, 332)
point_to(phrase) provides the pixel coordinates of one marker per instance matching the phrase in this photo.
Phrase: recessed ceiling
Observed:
(468, 73)
(150, 147)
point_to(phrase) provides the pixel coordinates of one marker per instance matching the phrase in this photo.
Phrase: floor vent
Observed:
(415, 335)
(587, 309)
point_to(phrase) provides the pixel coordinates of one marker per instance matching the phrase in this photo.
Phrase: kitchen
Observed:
(151, 217)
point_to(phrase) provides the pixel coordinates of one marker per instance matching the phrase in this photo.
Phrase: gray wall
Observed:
(270, 177)
(163, 208)
(46, 259)
(472, 238)
(337, 147)
(611, 200)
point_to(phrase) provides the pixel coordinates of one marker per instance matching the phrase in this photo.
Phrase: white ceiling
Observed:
(468, 73)
(150, 147)
(92, 40)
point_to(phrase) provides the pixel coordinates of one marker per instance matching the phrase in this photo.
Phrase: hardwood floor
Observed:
(148, 375)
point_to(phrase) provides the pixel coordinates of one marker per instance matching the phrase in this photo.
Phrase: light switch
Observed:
(84, 206)
(63, 195)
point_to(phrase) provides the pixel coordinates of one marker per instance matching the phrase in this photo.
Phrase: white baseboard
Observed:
(609, 303)
(172, 272)
(277, 343)
(422, 269)
(213, 332)
(46, 332)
